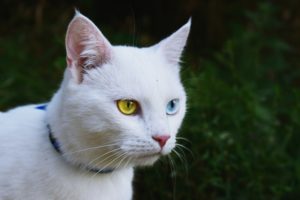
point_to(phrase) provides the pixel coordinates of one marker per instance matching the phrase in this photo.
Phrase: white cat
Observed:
(118, 107)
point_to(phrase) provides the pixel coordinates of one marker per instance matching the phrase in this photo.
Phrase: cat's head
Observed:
(120, 105)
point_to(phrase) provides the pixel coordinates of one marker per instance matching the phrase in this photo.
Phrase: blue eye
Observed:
(172, 107)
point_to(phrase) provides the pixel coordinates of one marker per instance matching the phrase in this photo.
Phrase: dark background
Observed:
(241, 71)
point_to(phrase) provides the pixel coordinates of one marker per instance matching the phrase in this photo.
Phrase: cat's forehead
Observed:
(139, 72)
(142, 63)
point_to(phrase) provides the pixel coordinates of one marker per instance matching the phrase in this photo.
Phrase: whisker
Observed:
(108, 164)
(125, 156)
(90, 148)
(173, 175)
(182, 138)
(114, 152)
(184, 147)
(118, 154)
(127, 163)
(179, 156)
(182, 159)
(182, 152)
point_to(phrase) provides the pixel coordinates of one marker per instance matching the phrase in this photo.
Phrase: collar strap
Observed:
(57, 148)
(53, 140)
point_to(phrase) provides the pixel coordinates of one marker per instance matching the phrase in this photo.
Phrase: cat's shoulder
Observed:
(23, 115)
(32, 108)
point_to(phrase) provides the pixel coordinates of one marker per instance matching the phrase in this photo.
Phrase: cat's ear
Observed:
(172, 46)
(86, 46)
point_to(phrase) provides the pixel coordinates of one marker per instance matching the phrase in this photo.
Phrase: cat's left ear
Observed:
(172, 46)
(86, 46)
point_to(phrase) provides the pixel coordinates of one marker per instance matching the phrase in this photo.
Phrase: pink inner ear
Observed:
(69, 62)
(79, 33)
(86, 46)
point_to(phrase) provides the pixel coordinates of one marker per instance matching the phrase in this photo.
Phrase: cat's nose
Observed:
(161, 139)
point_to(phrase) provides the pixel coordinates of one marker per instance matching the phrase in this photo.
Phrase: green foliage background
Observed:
(242, 126)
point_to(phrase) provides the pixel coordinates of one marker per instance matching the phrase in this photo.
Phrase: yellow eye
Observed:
(127, 107)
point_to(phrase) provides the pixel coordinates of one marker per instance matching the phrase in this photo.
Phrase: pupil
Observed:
(128, 104)
(172, 104)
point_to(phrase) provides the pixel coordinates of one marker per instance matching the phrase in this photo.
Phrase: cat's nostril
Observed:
(161, 139)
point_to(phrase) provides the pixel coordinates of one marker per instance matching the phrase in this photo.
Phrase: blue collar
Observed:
(57, 148)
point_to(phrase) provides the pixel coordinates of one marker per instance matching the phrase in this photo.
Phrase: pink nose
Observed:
(161, 139)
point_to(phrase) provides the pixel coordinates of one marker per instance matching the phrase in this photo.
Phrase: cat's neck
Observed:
(55, 122)
(68, 132)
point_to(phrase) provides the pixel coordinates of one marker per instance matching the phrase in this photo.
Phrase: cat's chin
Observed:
(146, 160)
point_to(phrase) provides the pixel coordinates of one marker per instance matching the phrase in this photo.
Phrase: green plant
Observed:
(243, 118)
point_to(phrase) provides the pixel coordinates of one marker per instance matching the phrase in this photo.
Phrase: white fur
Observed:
(87, 123)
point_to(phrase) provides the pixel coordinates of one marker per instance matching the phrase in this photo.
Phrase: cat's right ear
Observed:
(86, 46)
